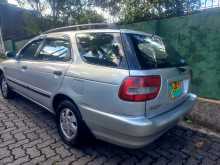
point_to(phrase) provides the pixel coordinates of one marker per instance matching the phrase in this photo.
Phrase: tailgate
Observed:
(168, 97)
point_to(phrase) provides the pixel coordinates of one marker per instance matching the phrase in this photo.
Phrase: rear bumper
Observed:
(136, 132)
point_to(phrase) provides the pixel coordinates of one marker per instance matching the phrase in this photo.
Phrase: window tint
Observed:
(29, 52)
(152, 53)
(55, 50)
(100, 48)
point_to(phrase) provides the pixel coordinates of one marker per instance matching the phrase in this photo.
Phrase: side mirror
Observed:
(10, 54)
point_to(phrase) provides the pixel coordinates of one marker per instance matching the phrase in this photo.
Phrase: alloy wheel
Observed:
(68, 123)
(4, 87)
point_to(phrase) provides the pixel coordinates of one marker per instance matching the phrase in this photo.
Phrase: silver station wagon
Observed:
(122, 86)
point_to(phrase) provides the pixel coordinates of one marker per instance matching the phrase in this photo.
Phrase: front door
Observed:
(46, 72)
(17, 70)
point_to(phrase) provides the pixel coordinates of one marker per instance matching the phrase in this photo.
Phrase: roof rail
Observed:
(82, 27)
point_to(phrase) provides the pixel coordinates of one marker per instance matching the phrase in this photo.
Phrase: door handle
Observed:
(57, 73)
(24, 67)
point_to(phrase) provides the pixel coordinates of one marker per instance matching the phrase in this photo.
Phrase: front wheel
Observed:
(5, 89)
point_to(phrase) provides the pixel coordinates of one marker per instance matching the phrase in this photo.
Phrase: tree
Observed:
(138, 10)
(37, 5)
(112, 6)
(60, 13)
(65, 12)
(90, 16)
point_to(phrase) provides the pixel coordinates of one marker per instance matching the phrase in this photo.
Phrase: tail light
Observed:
(140, 88)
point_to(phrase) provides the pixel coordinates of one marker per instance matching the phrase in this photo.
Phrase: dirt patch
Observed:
(206, 113)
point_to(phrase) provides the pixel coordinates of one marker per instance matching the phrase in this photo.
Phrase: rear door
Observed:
(155, 58)
(101, 71)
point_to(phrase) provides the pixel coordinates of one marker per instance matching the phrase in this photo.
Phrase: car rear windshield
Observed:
(152, 53)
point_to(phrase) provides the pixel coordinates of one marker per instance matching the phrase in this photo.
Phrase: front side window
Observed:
(100, 48)
(152, 53)
(29, 52)
(55, 50)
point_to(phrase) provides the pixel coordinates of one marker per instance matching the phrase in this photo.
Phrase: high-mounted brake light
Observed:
(140, 88)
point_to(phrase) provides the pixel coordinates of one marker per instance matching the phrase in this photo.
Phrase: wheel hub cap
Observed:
(68, 123)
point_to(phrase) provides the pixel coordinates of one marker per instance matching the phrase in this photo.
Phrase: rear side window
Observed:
(55, 50)
(100, 48)
(152, 53)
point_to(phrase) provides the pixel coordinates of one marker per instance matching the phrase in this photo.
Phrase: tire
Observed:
(7, 93)
(70, 124)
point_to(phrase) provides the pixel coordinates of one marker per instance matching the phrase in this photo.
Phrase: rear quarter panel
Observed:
(95, 88)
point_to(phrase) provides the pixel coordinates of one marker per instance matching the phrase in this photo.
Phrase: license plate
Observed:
(175, 89)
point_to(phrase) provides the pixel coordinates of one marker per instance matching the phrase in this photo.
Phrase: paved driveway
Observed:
(28, 135)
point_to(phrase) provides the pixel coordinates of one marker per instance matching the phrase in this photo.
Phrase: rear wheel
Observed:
(69, 122)
(5, 89)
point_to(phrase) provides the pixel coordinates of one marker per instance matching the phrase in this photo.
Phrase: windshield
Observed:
(152, 52)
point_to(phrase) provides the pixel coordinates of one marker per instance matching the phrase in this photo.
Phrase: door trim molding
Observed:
(36, 90)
